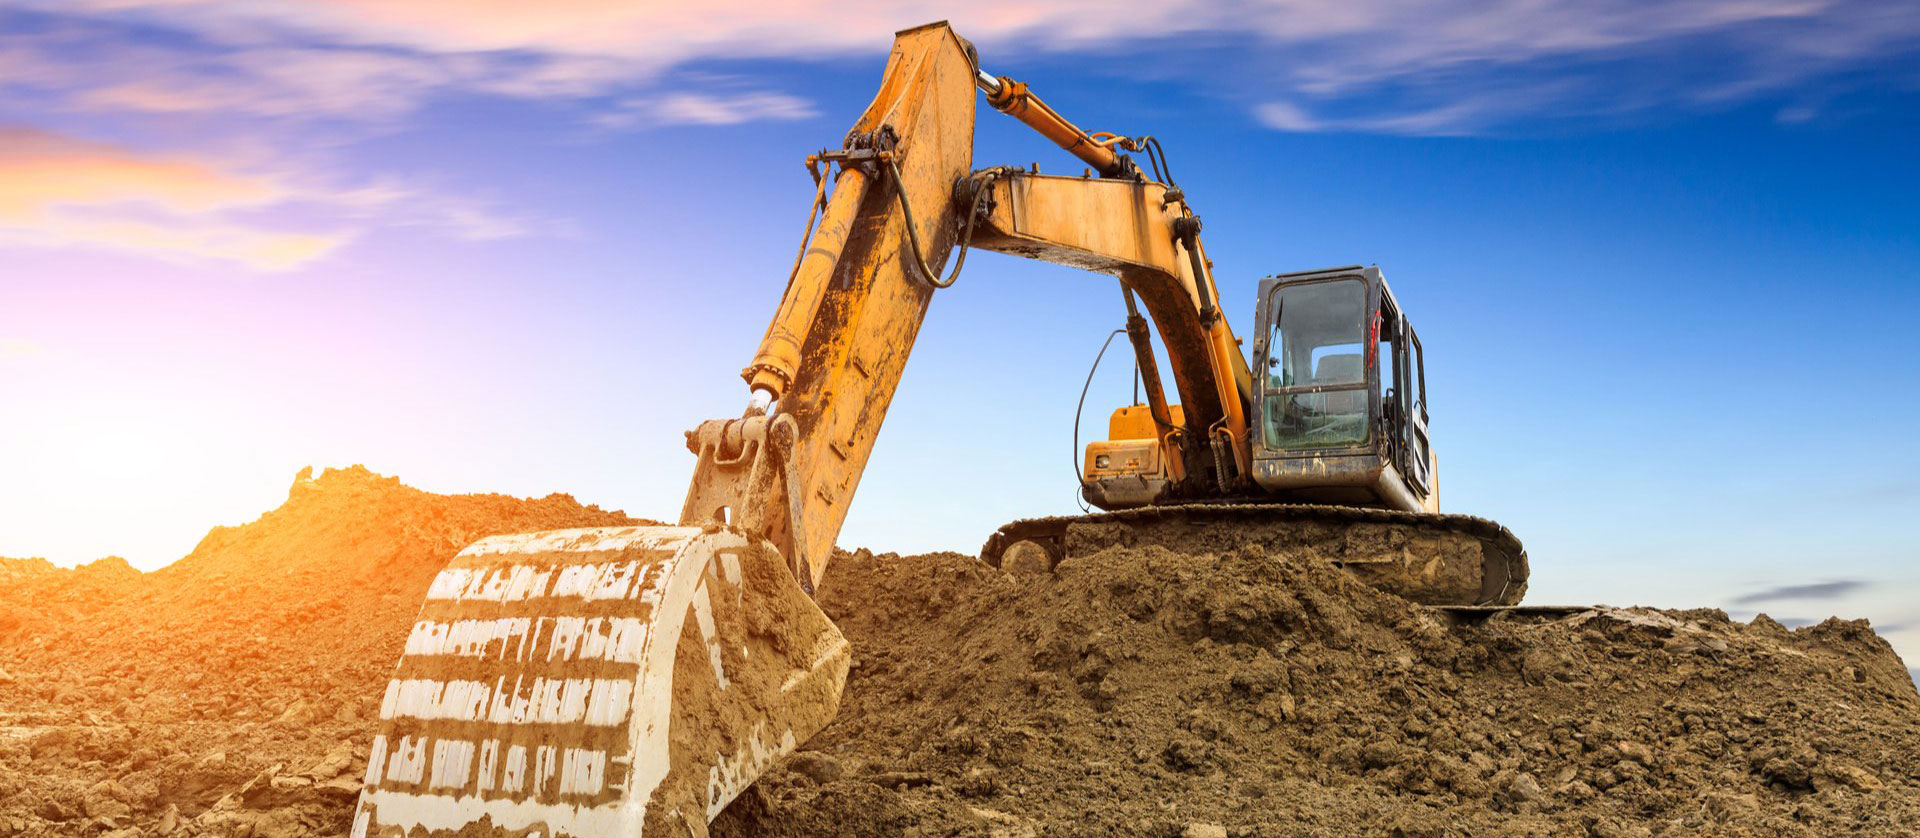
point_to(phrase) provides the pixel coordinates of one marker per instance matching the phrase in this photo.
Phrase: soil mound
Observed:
(230, 691)
(1135, 691)
(17, 571)
(1140, 691)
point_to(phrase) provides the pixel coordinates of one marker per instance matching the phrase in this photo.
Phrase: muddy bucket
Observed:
(622, 681)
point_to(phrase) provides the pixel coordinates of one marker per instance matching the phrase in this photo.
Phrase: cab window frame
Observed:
(1271, 345)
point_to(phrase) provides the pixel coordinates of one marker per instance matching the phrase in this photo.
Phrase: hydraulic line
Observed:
(982, 184)
(1077, 408)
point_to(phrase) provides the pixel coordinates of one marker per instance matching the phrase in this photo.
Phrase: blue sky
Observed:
(1661, 258)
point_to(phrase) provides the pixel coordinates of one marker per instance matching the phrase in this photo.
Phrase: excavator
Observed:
(632, 681)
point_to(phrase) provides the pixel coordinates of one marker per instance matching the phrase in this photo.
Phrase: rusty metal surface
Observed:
(871, 306)
(778, 358)
(1499, 579)
(596, 682)
(839, 341)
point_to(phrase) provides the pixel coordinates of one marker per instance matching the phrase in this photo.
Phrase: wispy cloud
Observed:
(263, 75)
(1458, 68)
(1441, 67)
(1446, 67)
(1462, 117)
(98, 67)
(278, 82)
(646, 37)
(57, 190)
(394, 202)
(1837, 589)
(687, 108)
(271, 63)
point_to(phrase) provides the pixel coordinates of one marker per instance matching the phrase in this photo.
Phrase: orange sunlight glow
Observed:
(161, 459)
(59, 190)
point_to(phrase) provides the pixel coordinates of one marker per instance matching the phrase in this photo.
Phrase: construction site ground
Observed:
(1133, 691)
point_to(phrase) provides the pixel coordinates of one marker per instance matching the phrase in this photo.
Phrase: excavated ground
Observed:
(1136, 691)
(232, 692)
(1148, 692)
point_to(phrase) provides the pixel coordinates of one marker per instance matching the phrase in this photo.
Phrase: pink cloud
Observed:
(57, 190)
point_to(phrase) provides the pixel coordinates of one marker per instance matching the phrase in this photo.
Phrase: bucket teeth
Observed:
(610, 681)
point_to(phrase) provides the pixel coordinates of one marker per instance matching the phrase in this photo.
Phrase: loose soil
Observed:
(1142, 691)
(1133, 691)
(231, 692)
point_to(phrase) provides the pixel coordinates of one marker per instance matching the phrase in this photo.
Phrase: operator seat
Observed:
(1341, 369)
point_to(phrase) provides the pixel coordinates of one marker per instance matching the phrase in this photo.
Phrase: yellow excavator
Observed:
(632, 681)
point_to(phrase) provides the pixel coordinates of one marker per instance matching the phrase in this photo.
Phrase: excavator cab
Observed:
(1339, 408)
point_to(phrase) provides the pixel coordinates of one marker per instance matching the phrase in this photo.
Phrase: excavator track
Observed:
(1433, 559)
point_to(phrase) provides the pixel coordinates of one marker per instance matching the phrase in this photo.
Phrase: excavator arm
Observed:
(634, 680)
(902, 198)
(1137, 230)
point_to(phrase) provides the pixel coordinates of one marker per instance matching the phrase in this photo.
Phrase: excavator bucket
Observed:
(624, 681)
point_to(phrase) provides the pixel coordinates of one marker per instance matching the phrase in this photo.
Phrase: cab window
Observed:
(1317, 365)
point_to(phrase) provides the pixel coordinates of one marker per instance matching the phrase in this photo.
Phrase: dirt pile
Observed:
(229, 692)
(1147, 692)
(17, 571)
(1135, 691)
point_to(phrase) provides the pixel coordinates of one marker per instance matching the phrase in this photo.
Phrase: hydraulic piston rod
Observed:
(1014, 99)
(778, 359)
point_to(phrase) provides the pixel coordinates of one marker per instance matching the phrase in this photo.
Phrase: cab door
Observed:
(1419, 467)
(1388, 365)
